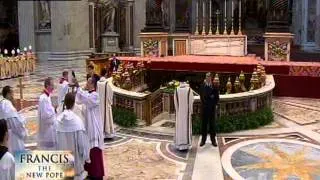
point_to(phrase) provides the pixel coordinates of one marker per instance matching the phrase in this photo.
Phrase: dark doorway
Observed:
(9, 33)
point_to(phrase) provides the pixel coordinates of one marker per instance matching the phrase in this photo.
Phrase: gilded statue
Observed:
(109, 10)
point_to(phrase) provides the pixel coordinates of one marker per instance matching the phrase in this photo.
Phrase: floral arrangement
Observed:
(172, 86)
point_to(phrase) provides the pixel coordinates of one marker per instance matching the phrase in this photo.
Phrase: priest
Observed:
(15, 122)
(47, 118)
(106, 95)
(93, 124)
(183, 101)
(71, 136)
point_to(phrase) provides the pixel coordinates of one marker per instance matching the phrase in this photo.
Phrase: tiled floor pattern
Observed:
(292, 141)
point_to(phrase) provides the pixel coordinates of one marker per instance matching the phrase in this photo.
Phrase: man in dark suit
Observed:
(209, 99)
(114, 64)
(91, 73)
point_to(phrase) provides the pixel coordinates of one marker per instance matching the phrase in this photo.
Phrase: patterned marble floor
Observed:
(289, 148)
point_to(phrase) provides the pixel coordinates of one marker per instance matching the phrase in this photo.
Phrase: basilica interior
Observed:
(263, 54)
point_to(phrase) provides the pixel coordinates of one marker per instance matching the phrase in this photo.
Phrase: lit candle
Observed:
(13, 52)
(30, 47)
(25, 49)
(5, 51)
(18, 51)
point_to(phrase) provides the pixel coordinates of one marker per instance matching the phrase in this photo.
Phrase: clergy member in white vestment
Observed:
(63, 87)
(183, 101)
(15, 122)
(47, 118)
(106, 95)
(7, 165)
(94, 127)
(71, 136)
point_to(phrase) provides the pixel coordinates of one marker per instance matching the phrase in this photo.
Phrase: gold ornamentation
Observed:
(229, 86)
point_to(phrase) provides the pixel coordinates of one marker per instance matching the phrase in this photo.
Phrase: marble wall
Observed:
(139, 22)
(26, 23)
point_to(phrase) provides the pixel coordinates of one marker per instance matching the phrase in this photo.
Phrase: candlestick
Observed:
(210, 29)
(30, 47)
(197, 19)
(225, 18)
(5, 51)
(203, 19)
(13, 52)
(232, 18)
(18, 51)
(217, 30)
(25, 49)
(240, 31)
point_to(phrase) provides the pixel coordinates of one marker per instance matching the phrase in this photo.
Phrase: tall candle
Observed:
(232, 7)
(239, 8)
(203, 10)
(210, 10)
(225, 8)
(197, 13)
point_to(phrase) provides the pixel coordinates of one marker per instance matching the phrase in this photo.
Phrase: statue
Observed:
(44, 13)
(165, 4)
(109, 14)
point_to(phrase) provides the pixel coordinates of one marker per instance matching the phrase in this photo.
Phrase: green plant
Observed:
(124, 117)
(227, 124)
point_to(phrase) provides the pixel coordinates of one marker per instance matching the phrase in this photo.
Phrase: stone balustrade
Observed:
(148, 106)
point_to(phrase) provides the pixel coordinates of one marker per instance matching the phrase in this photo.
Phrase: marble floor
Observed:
(289, 148)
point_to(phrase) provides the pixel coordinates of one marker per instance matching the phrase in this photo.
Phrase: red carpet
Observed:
(297, 79)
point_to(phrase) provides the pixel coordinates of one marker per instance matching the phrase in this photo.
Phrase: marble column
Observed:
(70, 30)
(26, 18)
(129, 25)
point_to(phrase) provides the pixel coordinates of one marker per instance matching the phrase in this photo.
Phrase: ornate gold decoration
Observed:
(285, 164)
(216, 80)
(254, 80)
(229, 86)
(237, 85)
(242, 78)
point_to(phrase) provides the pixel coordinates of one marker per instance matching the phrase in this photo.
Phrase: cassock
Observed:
(106, 95)
(183, 101)
(7, 165)
(94, 128)
(47, 118)
(71, 136)
(16, 125)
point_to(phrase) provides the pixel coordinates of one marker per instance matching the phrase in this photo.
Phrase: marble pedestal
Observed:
(277, 46)
(110, 42)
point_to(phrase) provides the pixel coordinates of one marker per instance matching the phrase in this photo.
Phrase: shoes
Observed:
(202, 143)
(214, 143)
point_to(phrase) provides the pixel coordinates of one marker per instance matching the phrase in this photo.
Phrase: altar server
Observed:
(106, 95)
(183, 101)
(71, 136)
(47, 117)
(7, 165)
(209, 95)
(15, 122)
(93, 124)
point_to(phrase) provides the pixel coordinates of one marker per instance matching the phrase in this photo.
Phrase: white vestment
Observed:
(47, 120)
(7, 167)
(93, 122)
(16, 125)
(62, 91)
(183, 101)
(71, 136)
(106, 95)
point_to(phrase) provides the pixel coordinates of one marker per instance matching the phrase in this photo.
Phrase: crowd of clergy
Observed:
(78, 121)
(81, 119)
(19, 64)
